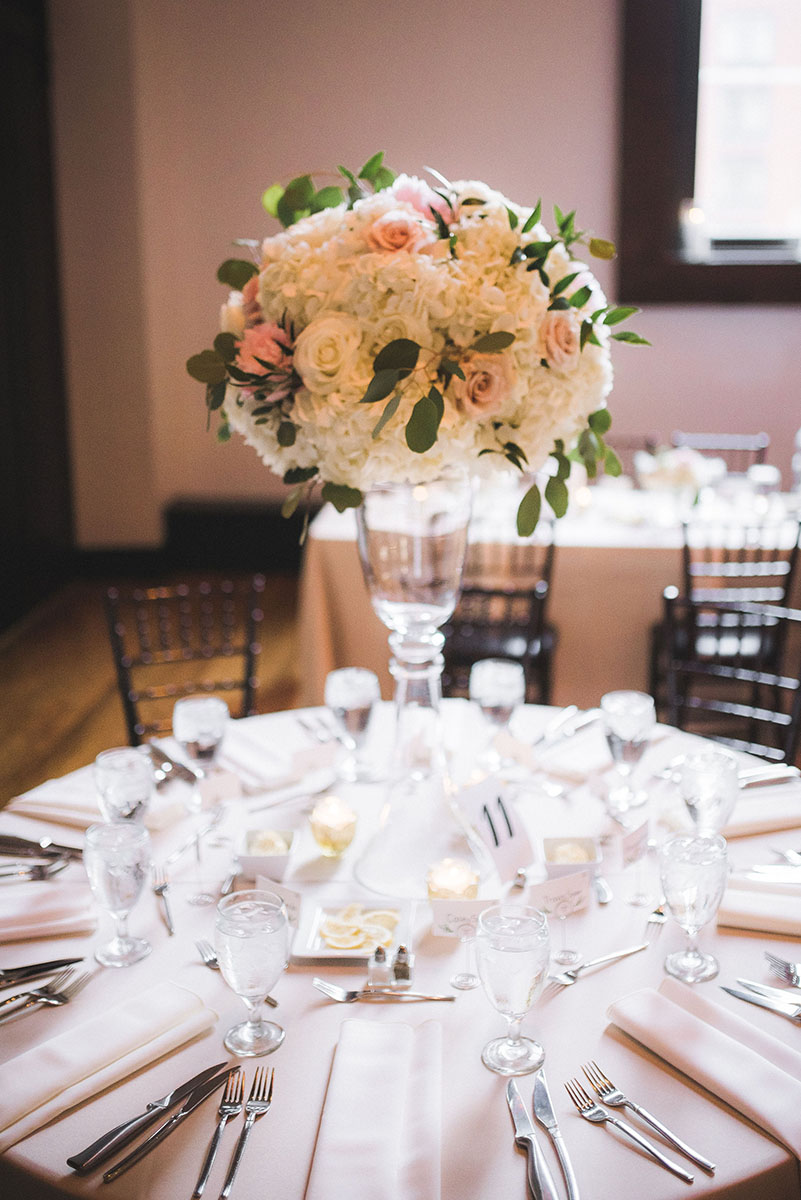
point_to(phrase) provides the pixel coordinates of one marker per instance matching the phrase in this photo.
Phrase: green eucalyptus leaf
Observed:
(601, 248)
(435, 396)
(399, 355)
(517, 451)
(372, 166)
(390, 408)
(559, 303)
(351, 178)
(380, 386)
(235, 272)
(215, 395)
(299, 474)
(514, 220)
(262, 410)
(225, 345)
(442, 228)
(423, 425)
(245, 377)
(384, 178)
(291, 501)
(600, 421)
(581, 296)
(270, 198)
(562, 464)
(327, 197)
(448, 366)
(287, 433)
(299, 193)
(612, 464)
(533, 218)
(564, 282)
(586, 333)
(615, 315)
(224, 432)
(206, 367)
(556, 495)
(528, 513)
(634, 339)
(538, 249)
(517, 257)
(341, 496)
(493, 343)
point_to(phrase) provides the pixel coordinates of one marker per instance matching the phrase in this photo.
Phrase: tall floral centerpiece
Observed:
(396, 332)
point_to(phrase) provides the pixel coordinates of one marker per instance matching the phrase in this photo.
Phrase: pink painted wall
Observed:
(171, 118)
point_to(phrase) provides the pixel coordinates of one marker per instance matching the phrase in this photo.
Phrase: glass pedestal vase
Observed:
(412, 541)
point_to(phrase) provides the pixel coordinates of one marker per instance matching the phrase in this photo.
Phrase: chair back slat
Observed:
(738, 450)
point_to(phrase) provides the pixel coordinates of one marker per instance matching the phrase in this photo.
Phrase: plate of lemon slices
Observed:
(348, 931)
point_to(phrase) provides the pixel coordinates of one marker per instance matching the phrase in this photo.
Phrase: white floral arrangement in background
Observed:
(394, 329)
(677, 469)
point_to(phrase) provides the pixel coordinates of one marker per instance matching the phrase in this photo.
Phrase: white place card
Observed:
(291, 899)
(488, 807)
(457, 918)
(634, 845)
(563, 895)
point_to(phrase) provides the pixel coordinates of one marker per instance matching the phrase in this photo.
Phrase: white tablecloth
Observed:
(479, 1159)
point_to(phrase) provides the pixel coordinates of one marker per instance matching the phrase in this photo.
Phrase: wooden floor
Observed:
(59, 704)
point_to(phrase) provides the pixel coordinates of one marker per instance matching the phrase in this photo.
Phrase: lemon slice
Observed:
(382, 916)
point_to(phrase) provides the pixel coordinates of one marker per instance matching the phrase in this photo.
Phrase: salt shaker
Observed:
(378, 969)
(402, 965)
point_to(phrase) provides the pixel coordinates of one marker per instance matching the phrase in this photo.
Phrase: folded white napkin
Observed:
(72, 800)
(765, 809)
(767, 907)
(755, 1073)
(48, 909)
(72, 1067)
(381, 1125)
(261, 768)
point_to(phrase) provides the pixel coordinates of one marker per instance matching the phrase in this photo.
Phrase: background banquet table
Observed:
(479, 1159)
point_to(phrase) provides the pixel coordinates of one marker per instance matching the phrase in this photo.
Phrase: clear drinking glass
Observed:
(497, 686)
(629, 719)
(198, 724)
(565, 956)
(693, 873)
(117, 859)
(124, 781)
(709, 786)
(350, 693)
(513, 951)
(251, 937)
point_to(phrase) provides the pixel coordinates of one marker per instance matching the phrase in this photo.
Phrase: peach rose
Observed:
(398, 230)
(560, 335)
(267, 341)
(488, 380)
(419, 195)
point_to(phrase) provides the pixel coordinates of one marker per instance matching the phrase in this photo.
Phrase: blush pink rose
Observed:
(488, 380)
(420, 196)
(250, 302)
(266, 341)
(399, 230)
(560, 338)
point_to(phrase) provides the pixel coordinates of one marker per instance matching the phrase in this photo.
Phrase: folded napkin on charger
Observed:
(764, 809)
(382, 1116)
(47, 1080)
(766, 906)
(261, 769)
(72, 800)
(755, 1073)
(51, 908)
(573, 759)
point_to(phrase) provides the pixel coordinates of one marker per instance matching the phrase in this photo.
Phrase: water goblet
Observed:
(513, 951)
(198, 724)
(350, 693)
(124, 781)
(497, 686)
(117, 858)
(629, 719)
(251, 938)
(709, 785)
(693, 871)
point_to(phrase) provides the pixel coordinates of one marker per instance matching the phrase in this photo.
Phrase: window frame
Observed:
(659, 95)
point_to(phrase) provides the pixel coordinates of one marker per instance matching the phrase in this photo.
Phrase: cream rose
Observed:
(488, 380)
(325, 351)
(399, 230)
(560, 335)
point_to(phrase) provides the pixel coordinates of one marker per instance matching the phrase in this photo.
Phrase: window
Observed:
(710, 182)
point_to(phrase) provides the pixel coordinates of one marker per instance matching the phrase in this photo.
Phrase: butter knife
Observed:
(11, 976)
(193, 1100)
(783, 1008)
(540, 1180)
(106, 1146)
(43, 848)
(543, 1111)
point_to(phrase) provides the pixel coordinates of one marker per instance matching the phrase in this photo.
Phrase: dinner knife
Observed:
(193, 1100)
(44, 848)
(171, 766)
(540, 1180)
(762, 989)
(543, 1111)
(10, 976)
(784, 1009)
(107, 1145)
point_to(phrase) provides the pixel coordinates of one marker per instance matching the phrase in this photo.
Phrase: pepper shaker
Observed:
(402, 965)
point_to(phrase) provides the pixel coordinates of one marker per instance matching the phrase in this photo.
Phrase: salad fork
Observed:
(655, 921)
(592, 1111)
(230, 1106)
(571, 976)
(616, 1099)
(334, 992)
(206, 952)
(39, 997)
(47, 988)
(790, 972)
(161, 884)
(258, 1103)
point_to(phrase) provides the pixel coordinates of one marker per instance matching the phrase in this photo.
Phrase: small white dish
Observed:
(261, 853)
(309, 944)
(565, 855)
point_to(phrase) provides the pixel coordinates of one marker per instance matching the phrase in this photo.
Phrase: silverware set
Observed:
(790, 972)
(11, 976)
(60, 990)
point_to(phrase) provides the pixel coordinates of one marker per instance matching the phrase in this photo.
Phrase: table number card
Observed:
(457, 918)
(563, 895)
(489, 809)
(292, 900)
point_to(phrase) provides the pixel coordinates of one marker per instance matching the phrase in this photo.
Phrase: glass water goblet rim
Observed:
(343, 675)
(503, 670)
(249, 896)
(624, 699)
(201, 703)
(705, 757)
(693, 842)
(131, 754)
(103, 833)
(537, 919)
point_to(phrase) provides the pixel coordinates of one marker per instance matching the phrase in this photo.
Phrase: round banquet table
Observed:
(479, 1158)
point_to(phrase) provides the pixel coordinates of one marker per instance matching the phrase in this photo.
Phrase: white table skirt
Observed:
(479, 1159)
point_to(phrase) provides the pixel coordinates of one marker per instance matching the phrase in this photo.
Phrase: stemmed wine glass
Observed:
(124, 780)
(350, 693)
(251, 937)
(198, 724)
(709, 785)
(629, 719)
(117, 858)
(513, 951)
(693, 872)
(497, 686)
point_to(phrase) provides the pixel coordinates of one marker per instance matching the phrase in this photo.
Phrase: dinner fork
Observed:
(567, 978)
(230, 1106)
(23, 872)
(655, 921)
(258, 1103)
(51, 986)
(616, 1099)
(592, 1111)
(334, 992)
(161, 883)
(206, 952)
(39, 997)
(790, 972)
